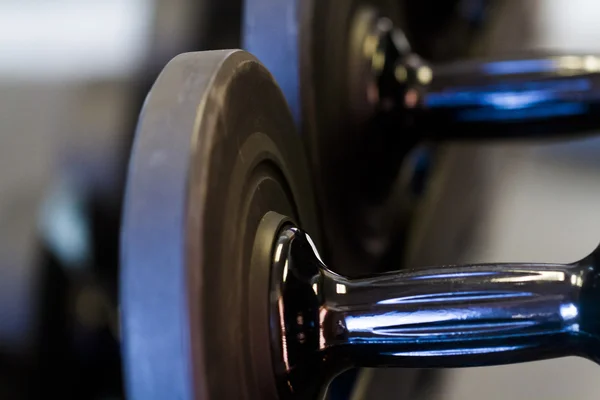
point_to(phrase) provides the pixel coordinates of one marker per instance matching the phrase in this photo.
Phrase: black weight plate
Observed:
(215, 151)
(357, 164)
(307, 46)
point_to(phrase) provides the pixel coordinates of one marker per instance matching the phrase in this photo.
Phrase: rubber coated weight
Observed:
(307, 46)
(215, 151)
(352, 159)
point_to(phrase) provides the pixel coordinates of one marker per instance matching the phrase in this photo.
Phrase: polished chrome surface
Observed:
(452, 316)
(525, 97)
(530, 96)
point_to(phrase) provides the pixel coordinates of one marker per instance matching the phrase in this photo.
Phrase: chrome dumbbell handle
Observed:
(533, 96)
(469, 315)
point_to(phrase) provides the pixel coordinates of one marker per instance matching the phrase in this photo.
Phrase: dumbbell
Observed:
(225, 295)
(364, 100)
(529, 97)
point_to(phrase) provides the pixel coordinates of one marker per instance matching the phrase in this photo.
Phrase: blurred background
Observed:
(73, 75)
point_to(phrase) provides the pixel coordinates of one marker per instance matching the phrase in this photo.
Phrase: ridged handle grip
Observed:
(458, 316)
(452, 316)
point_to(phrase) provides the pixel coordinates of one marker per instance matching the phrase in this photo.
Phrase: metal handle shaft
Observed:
(454, 316)
(457, 316)
(531, 97)
(502, 98)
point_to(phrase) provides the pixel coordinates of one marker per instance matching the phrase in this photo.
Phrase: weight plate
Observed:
(357, 163)
(307, 46)
(215, 151)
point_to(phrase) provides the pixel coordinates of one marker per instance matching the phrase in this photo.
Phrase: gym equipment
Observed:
(474, 315)
(535, 96)
(224, 295)
(363, 99)
(306, 45)
(214, 152)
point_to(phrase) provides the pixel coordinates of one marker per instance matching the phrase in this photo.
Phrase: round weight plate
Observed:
(308, 45)
(214, 153)
(357, 163)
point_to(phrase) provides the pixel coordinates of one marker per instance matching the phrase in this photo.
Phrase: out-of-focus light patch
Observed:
(378, 60)
(73, 39)
(570, 62)
(400, 73)
(519, 66)
(568, 311)
(340, 288)
(591, 63)
(424, 75)
(370, 45)
(516, 100)
(64, 226)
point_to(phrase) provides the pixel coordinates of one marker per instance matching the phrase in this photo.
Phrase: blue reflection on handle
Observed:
(512, 96)
(515, 100)
(546, 111)
(519, 67)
